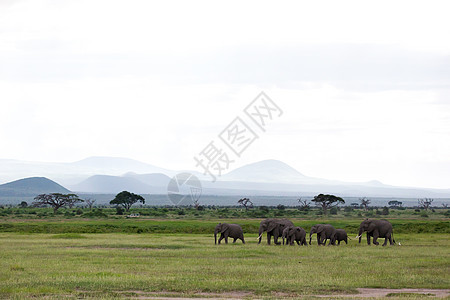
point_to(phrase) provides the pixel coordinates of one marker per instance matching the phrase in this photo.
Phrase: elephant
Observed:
(340, 235)
(228, 230)
(296, 234)
(285, 235)
(376, 229)
(324, 232)
(274, 227)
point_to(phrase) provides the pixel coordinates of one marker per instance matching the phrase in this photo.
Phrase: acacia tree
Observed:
(72, 199)
(365, 203)
(246, 202)
(327, 201)
(127, 199)
(89, 202)
(425, 203)
(304, 204)
(395, 203)
(56, 200)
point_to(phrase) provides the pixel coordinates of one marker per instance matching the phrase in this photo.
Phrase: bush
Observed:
(333, 211)
(119, 210)
(424, 215)
(385, 211)
(348, 209)
(181, 212)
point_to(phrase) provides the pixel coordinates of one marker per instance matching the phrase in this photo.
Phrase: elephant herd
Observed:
(289, 233)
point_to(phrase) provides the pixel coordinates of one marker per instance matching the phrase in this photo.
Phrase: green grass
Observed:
(126, 265)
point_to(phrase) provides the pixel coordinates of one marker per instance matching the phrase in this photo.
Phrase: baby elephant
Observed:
(228, 230)
(341, 235)
(296, 234)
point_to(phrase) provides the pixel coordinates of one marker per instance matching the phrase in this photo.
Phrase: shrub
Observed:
(348, 209)
(119, 210)
(333, 211)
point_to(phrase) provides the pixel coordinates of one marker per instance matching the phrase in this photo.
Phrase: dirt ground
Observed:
(362, 293)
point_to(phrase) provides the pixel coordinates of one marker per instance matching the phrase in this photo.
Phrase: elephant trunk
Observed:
(215, 237)
(310, 234)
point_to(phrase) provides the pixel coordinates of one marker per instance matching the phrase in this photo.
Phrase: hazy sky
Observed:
(364, 86)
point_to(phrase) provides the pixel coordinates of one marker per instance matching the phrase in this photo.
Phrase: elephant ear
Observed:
(319, 229)
(223, 229)
(371, 227)
(272, 226)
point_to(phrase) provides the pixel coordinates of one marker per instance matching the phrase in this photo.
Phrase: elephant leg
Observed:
(391, 240)
(234, 240)
(275, 240)
(375, 238)
(346, 241)
(221, 238)
(242, 239)
(298, 243)
(386, 238)
(339, 242)
(368, 239)
(269, 237)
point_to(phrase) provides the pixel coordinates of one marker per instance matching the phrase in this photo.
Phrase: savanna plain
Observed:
(156, 258)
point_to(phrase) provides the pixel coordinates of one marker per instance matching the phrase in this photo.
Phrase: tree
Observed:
(395, 203)
(55, 200)
(23, 204)
(89, 202)
(304, 204)
(327, 201)
(245, 202)
(355, 205)
(73, 199)
(127, 199)
(364, 203)
(425, 203)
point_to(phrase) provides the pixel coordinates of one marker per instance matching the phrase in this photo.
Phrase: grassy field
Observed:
(84, 265)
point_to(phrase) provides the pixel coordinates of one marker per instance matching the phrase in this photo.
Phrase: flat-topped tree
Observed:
(56, 200)
(127, 199)
(327, 201)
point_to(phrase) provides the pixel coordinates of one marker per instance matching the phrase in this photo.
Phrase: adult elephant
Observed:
(273, 227)
(340, 235)
(324, 232)
(228, 230)
(295, 234)
(376, 229)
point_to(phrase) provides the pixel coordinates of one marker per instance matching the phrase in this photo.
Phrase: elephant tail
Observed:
(393, 238)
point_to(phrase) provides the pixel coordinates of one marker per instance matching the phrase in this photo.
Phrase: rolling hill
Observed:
(32, 186)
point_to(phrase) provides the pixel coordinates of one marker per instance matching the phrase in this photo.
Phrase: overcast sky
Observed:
(364, 86)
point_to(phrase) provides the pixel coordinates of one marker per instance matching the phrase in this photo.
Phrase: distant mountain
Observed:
(156, 179)
(75, 172)
(32, 186)
(265, 171)
(106, 184)
(116, 165)
(110, 175)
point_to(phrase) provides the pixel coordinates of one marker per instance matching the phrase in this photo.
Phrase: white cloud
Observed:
(364, 87)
